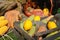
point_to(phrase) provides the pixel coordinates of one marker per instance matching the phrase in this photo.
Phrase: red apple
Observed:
(38, 12)
(28, 13)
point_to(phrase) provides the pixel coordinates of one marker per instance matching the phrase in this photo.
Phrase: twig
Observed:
(3, 37)
(9, 31)
(8, 36)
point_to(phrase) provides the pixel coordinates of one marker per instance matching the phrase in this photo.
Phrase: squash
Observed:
(46, 11)
(3, 30)
(2, 18)
(51, 25)
(3, 23)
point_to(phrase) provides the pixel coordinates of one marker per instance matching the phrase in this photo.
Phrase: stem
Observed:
(8, 36)
(3, 37)
(9, 31)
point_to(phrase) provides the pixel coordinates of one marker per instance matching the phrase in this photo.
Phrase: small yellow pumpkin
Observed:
(3, 30)
(51, 25)
(27, 25)
(46, 11)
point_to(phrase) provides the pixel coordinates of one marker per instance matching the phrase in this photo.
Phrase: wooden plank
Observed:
(47, 32)
(18, 35)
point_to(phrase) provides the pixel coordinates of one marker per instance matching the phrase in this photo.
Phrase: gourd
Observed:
(3, 30)
(3, 23)
(45, 11)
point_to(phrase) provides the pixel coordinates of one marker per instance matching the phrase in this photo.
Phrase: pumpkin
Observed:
(46, 11)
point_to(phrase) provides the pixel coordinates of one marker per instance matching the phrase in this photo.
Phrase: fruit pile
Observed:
(28, 26)
(32, 24)
(39, 12)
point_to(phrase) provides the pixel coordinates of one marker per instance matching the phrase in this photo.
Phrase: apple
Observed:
(28, 13)
(38, 12)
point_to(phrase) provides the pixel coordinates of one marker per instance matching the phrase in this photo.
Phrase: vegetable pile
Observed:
(31, 21)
